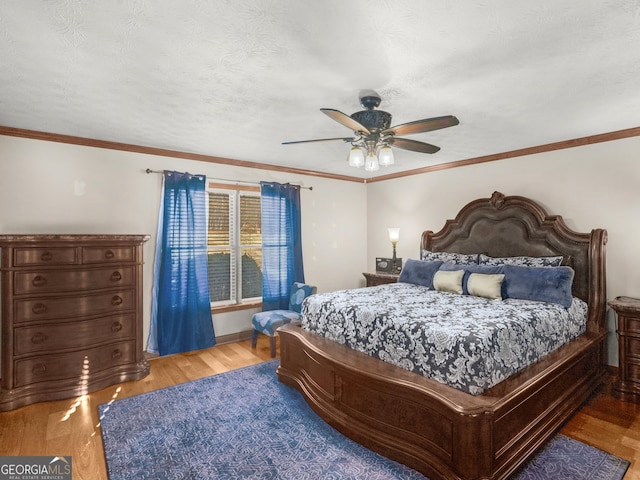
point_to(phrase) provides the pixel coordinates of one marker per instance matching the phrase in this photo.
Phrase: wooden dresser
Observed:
(71, 315)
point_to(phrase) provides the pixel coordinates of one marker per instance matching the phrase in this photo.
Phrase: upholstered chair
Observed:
(268, 322)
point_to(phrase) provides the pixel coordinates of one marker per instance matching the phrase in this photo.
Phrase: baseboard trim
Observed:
(220, 340)
(234, 337)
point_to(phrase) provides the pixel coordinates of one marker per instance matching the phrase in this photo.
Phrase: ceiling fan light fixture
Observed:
(371, 164)
(373, 134)
(356, 157)
(385, 156)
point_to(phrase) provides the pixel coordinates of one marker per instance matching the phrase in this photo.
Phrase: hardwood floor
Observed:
(72, 427)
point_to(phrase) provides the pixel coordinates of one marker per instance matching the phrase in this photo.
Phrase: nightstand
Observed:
(379, 278)
(628, 312)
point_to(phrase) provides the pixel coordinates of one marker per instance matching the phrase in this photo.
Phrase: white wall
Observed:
(594, 186)
(40, 192)
(344, 224)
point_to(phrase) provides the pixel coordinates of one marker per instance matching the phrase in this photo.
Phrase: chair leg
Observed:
(254, 338)
(272, 344)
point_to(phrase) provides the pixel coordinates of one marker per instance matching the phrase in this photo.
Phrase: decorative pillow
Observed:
(419, 272)
(469, 269)
(449, 257)
(486, 285)
(554, 261)
(542, 284)
(451, 282)
(299, 291)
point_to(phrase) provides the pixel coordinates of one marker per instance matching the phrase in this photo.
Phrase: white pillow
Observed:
(486, 285)
(448, 281)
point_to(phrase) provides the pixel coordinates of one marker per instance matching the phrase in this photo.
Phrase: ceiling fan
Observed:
(374, 137)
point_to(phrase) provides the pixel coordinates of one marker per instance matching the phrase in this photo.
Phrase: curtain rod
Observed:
(148, 170)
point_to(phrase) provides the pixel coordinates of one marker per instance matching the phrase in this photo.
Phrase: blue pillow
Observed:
(469, 269)
(419, 272)
(542, 284)
(299, 291)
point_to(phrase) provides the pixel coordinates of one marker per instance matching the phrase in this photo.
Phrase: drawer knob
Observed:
(116, 300)
(39, 281)
(116, 327)
(39, 308)
(38, 337)
(116, 277)
(39, 369)
(116, 354)
(46, 256)
(109, 254)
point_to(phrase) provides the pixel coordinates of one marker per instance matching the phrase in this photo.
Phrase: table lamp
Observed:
(394, 236)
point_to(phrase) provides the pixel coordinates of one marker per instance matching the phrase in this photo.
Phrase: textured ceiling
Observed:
(235, 78)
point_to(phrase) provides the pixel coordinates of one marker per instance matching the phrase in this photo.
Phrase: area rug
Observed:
(244, 424)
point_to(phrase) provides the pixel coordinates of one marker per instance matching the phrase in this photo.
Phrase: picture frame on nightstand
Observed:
(385, 265)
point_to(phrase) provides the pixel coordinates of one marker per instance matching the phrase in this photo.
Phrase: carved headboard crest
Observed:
(497, 200)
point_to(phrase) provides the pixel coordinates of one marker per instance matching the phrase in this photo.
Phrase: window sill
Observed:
(235, 308)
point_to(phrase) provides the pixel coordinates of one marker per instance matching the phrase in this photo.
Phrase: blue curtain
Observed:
(281, 243)
(181, 311)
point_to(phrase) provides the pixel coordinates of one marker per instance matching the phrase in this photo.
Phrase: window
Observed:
(234, 244)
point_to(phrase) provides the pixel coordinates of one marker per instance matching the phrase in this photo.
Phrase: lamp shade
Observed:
(371, 163)
(356, 157)
(385, 156)
(394, 234)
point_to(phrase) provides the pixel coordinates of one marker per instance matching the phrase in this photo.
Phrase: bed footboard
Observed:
(440, 431)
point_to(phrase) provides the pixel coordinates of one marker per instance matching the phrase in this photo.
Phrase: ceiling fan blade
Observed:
(345, 120)
(413, 145)
(344, 139)
(419, 126)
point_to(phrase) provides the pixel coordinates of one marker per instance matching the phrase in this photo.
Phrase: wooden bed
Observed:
(438, 430)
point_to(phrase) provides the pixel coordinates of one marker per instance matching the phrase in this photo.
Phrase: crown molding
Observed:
(89, 142)
(576, 142)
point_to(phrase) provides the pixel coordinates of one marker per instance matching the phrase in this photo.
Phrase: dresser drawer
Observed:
(80, 365)
(52, 281)
(91, 255)
(74, 306)
(632, 325)
(23, 257)
(72, 335)
(633, 371)
(632, 346)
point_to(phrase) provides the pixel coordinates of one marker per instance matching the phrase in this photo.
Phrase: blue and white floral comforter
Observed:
(470, 343)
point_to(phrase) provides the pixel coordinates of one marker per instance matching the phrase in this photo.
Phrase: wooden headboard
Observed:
(507, 226)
